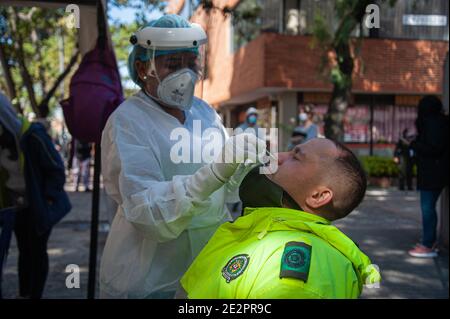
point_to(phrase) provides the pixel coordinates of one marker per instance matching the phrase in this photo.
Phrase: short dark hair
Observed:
(351, 174)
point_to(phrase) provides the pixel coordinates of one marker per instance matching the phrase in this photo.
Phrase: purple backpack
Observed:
(95, 92)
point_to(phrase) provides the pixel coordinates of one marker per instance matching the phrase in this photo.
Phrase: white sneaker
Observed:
(421, 251)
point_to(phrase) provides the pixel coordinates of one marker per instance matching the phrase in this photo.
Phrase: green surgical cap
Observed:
(142, 54)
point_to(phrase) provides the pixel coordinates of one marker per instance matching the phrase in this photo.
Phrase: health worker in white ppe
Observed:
(167, 209)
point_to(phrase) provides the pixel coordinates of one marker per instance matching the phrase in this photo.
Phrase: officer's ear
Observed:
(320, 197)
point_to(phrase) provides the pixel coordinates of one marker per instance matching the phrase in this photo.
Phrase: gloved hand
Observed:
(241, 148)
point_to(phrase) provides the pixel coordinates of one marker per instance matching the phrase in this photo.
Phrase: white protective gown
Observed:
(158, 228)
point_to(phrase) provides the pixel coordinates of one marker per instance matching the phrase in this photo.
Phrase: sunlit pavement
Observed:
(385, 226)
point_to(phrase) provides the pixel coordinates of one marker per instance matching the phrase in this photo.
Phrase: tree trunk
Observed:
(343, 71)
(26, 78)
(334, 119)
(342, 87)
(43, 106)
(9, 79)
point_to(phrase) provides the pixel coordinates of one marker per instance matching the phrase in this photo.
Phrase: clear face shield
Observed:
(162, 65)
(177, 62)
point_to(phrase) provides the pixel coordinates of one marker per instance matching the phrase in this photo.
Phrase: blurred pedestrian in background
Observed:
(404, 157)
(251, 117)
(431, 148)
(250, 125)
(81, 165)
(306, 123)
(48, 203)
(306, 130)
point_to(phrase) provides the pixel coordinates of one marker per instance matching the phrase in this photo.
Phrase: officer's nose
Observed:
(282, 157)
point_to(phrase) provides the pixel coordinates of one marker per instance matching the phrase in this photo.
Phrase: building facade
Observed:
(269, 63)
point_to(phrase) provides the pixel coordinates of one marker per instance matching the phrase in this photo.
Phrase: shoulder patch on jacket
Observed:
(235, 267)
(296, 260)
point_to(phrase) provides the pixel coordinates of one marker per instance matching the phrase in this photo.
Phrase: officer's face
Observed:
(300, 171)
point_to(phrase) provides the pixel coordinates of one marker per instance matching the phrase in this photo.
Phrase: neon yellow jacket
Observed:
(279, 253)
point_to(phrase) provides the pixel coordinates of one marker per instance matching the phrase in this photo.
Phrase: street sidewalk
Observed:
(385, 226)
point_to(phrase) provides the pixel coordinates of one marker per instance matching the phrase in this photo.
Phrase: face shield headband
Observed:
(169, 38)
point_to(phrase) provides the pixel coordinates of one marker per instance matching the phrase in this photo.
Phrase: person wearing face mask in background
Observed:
(306, 125)
(250, 125)
(167, 210)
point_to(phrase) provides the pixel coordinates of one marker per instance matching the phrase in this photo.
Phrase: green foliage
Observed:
(120, 34)
(377, 166)
(45, 40)
(41, 35)
(322, 35)
(246, 21)
(349, 15)
(339, 78)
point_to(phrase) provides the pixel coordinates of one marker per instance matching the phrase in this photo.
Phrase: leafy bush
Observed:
(377, 166)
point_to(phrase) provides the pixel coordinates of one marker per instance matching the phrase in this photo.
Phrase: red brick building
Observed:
(277, 70)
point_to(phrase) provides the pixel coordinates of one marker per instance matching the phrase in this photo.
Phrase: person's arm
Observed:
(133, 177)
(48, 159)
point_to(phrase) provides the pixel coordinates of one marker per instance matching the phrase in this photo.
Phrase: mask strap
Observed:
(154, 74)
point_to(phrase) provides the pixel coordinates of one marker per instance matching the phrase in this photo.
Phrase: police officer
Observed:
(289, 249)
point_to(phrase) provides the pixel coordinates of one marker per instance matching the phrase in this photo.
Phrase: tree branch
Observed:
(18, 45)
(8, 76)
(44, 104)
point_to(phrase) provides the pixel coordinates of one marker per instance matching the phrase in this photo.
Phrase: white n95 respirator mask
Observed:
(177, 89)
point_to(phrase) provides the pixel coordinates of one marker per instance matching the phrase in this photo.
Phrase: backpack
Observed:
(95, 92)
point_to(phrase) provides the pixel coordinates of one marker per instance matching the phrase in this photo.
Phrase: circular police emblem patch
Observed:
(295, 258)
(235, 267)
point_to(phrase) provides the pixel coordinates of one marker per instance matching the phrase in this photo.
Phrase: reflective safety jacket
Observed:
(279, 253)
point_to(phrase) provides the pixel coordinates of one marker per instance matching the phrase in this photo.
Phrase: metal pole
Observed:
(371, 125)
(94, 223)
